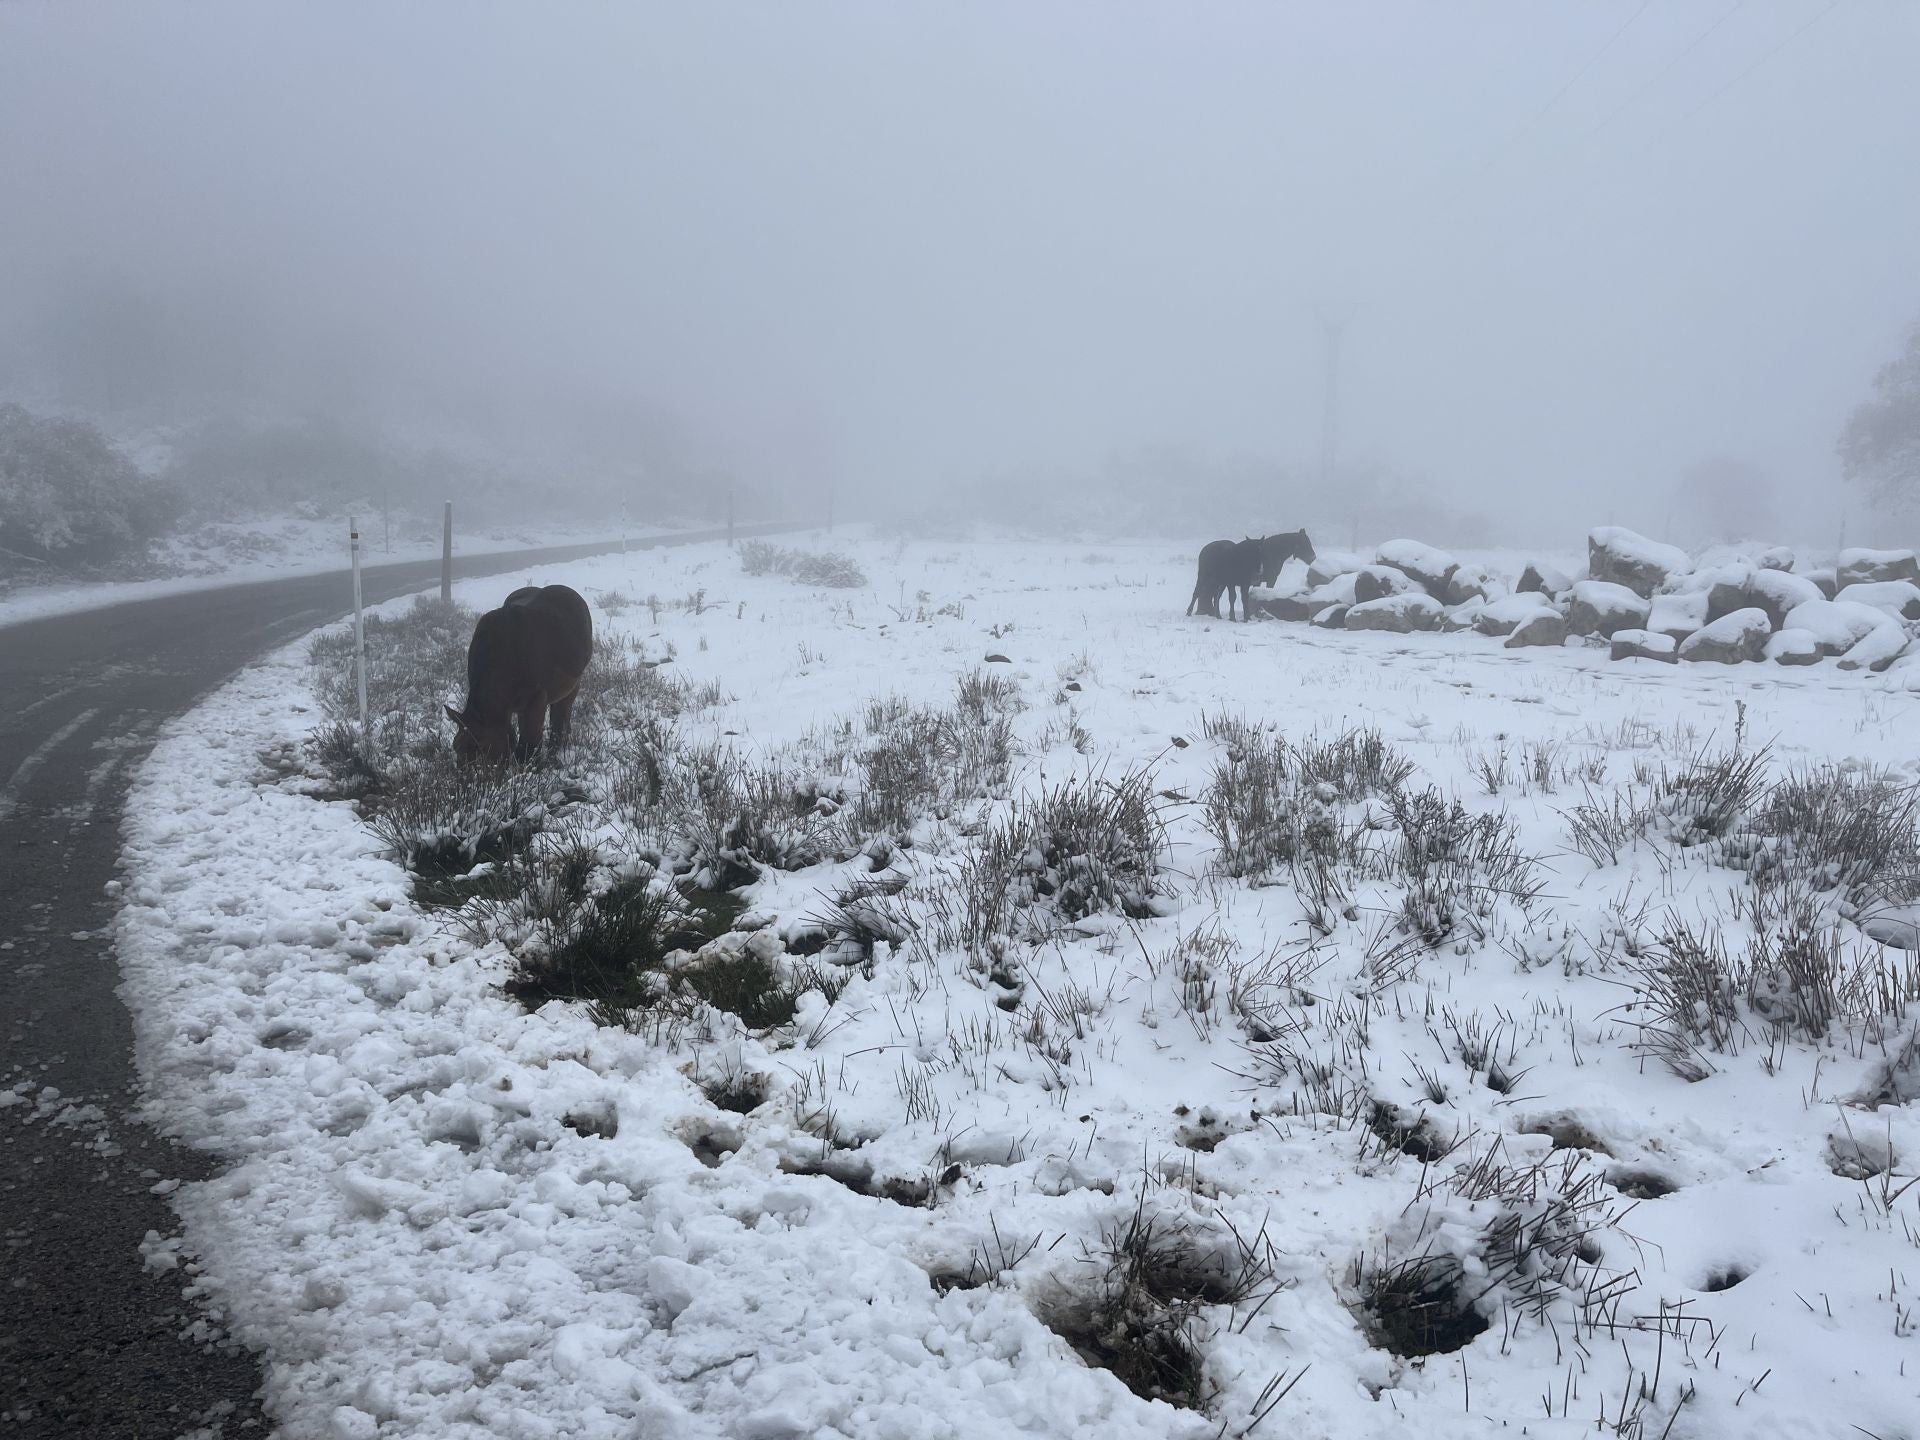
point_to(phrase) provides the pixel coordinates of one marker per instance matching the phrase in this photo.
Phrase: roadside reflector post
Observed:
(729, 517)
(359, 635)
(446, 556)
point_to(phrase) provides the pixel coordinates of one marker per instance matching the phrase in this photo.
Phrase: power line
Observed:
(1500, 149)
(1763, 59)
(1663, 71)
(1589, 63)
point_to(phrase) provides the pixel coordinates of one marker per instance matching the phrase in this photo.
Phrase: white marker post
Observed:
(623, 524)
(359, 634)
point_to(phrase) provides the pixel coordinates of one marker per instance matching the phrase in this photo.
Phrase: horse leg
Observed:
(532, 726)
(560, 720)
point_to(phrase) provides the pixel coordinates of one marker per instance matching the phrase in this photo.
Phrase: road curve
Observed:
(94, 1342)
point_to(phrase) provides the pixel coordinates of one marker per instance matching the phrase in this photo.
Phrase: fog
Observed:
(1607, 261)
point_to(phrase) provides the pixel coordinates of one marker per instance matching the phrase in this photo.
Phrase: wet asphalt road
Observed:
(93, 1343)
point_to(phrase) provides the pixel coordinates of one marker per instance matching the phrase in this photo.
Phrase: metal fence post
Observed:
(446, 556)
(359, 634)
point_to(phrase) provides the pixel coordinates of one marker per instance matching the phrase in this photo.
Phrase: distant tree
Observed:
(68, 497)
(1880, 446)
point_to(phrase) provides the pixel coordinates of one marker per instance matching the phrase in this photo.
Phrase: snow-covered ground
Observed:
(270, 549)
(445, 1216)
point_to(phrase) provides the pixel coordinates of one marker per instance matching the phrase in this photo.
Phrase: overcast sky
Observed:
(910, 243)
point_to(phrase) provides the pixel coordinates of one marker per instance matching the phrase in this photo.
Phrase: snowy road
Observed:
(91, 1335)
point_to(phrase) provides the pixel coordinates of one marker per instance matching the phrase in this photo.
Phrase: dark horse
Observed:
(1231, 565)
(523, 664)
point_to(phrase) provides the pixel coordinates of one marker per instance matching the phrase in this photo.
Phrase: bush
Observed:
(829, 569)
(1262, 807)
(416, 663)
(1089, 846)
(1857, 832)
(67, 497)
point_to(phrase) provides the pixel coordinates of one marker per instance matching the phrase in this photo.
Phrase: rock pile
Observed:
(1645, 600)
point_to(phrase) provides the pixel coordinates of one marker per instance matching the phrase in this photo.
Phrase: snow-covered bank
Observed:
(239, 554)
(447, 1216)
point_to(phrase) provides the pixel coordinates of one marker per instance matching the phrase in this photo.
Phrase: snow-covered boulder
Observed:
(1599, 607)
(1502, 616)
(1896, 597)
(1337, 591)
(1376, 582)
(1860, 567)
(1644, 645)
(1463, 615)
(1401, 614)
(1545, 627)
(1472, 582)
(1678, 615)
(1774, 591)
(1427, 567)
(1775, 557)
(1729, 640)
(1334, 617)
(1792, 647)
(1332, 564)
(1878, 648)
(1540, 578)
(1626, 558)
(1827, 578)
(1285, 607)
(1837, 625)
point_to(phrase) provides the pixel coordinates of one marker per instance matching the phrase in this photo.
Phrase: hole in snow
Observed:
(1724, 1278)
(1641, 1184)
(1418, 1307)
(1419, 1138)
(1854, 1157)
(1567, 1133)
(602, 1122)
(915, 1192)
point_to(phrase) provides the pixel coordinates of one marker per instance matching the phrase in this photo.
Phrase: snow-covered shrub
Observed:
(1456, 867)
(983, 695)
(903, 764)
(67, 496)
(859, 915)
(577, 928)
(722, 818)
(917, 761)
(439, 822)
(1356, 763)
(1837, 828)
(416, 660)
(1686, 995)
(1261, 807)
(805, 567)
(1088, 846)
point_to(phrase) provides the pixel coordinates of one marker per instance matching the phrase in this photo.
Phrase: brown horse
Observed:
(523, 665)
(1232, 565)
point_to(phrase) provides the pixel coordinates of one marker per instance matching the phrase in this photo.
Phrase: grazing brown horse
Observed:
(523, 664)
